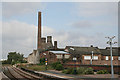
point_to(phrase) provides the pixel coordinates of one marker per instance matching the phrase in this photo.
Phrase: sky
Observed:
(70, 23)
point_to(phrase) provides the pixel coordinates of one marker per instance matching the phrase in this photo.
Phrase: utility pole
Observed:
(111, 43)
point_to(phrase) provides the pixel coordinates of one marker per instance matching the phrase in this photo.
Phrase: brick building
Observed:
(53, 56)
(43, 45)
(84, 55)
(93, 55)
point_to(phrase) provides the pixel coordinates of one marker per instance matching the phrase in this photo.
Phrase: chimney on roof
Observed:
(55, 45)
(39, 30)
(91, 45)
(49, 39)
(43, 40)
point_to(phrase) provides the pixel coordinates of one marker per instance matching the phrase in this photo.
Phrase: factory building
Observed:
(84, 55)
(43, 45)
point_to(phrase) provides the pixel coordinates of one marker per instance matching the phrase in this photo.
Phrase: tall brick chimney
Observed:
(39, 30)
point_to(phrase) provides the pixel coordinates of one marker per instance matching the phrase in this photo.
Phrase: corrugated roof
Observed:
(59, 52)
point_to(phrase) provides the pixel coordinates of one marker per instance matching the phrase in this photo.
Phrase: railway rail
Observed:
(23, 74)
(17, 74)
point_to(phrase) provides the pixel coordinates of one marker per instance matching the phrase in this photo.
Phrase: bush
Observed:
(68, 71)
(59, 67)
(118, 73)
(42, 61)
(89, 71)
(102, 72)
(54, 65)
(81, 70)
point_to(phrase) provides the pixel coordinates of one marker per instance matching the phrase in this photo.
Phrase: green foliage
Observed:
(118, 73)
(59, 67)
(14, 58)
(55, 64)
(42, 61)
(102, 72)
(68, 71)
(89, 71)
(81, 70)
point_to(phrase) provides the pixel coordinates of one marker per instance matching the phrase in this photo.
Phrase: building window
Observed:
(87, 57)
(95, 57)
(107, 58)
(119, 58)
(67, 56)
(59, 56)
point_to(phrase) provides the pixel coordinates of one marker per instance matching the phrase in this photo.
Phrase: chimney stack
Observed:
(49, 39)
(43, 40)
(39, 30)
(55, 45)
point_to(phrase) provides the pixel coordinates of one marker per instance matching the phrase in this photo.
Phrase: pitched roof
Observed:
(83, 50)
(106, 52)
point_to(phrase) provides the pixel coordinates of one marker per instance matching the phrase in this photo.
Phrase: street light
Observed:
(74, 59)
(111, 43)
(45, 61)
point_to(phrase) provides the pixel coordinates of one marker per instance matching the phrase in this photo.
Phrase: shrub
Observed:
(59, 67)
(102, 72)
(67, 71)
(118, 73)
(81, 70)
(42, 61)
(89, 71)
(54, 65)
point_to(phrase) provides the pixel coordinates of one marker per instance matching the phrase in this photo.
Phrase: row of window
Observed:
(107, 58)
(89, 57)
(96, 58)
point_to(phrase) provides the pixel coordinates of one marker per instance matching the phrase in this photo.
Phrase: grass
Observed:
(6, 64)
(37, 67)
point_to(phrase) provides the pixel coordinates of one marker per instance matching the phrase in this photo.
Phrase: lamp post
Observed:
(45, 61)
(111, 43)
(74, 59)
(92, 58)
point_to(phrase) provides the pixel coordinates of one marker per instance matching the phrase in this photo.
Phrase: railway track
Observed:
(17, 74)
(8, 74)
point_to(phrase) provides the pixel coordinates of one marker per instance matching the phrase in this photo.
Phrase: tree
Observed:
(14, 57)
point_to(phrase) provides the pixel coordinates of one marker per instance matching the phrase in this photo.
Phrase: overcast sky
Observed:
(70, 23)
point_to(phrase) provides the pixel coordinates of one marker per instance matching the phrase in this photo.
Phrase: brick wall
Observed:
(102, 62)
(50, 57)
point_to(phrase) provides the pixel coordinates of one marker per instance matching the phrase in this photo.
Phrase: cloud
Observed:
(22, 37)
(92, 9)
(21, 8)
(18, 36)
(81, 24)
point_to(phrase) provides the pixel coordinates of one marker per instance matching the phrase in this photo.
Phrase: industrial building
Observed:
(43, 45)
(84, 55)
